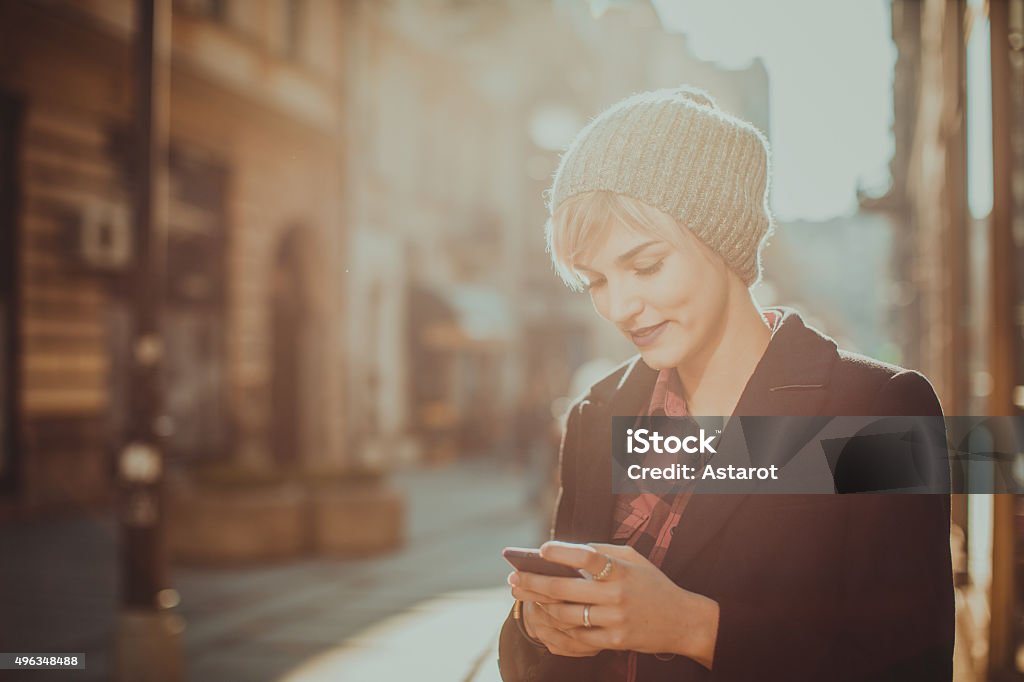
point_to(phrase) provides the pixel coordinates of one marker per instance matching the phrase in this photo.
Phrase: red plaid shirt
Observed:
(647, 521)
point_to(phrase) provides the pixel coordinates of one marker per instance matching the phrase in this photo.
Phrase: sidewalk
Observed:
(430, 611)
(59, 593)
(453, 637)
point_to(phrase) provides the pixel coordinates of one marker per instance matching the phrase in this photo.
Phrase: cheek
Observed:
(600, 303)
(697, 282)
(676, 290)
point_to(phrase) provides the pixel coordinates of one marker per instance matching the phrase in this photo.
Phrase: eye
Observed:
(645, 272)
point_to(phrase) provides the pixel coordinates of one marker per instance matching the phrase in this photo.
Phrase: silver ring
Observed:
(586, 616)
(606, 571)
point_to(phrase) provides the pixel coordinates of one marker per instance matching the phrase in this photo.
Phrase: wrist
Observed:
(704, 634)
(698, 631)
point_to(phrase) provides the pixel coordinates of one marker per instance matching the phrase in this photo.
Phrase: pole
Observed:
(148, 646)
(1002, 347)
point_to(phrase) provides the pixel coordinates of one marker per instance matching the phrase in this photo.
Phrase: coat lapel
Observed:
(630, 396)
(789, 380)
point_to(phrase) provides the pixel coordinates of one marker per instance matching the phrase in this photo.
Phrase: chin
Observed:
(659, 359)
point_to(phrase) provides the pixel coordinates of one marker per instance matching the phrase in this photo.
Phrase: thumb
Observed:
(624, 553)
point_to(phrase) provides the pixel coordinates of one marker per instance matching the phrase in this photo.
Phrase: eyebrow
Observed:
(624, 257)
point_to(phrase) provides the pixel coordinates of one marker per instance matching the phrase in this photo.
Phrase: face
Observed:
(668, 299)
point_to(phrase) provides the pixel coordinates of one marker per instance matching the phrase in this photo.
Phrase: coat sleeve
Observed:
(899, 610)
(520, 660)
(893, 615)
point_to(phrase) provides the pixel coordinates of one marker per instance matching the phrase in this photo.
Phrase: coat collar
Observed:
(789, 380)
(798, 358)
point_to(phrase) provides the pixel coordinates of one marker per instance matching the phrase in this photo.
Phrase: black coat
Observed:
(810, 587)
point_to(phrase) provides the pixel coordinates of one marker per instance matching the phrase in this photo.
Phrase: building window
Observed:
(193, 327)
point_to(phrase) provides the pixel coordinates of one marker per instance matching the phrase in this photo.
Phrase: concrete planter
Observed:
(240, 517)
(236, 524)
(356, 521)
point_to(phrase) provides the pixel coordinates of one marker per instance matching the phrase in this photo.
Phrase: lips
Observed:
(645, 336)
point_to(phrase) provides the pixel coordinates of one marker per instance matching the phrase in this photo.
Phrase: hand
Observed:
(543, 627)
(635, 608)
(550, 632)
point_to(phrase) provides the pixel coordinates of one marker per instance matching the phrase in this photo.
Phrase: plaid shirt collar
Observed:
(667, 399)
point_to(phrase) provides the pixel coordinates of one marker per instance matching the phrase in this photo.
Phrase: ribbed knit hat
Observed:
(677, 151)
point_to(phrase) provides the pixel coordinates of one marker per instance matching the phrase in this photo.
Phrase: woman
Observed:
(660, 209)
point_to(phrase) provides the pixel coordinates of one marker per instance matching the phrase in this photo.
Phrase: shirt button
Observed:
(672, 530)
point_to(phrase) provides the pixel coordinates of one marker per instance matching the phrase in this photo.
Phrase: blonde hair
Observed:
(582, 222)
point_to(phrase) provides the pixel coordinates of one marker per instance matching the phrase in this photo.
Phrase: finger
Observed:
(515, 580)
(562, 615)
(597, 638)
(621, 552)
(570, 589)
(528, 595)
(542, 617)
(568, 615)
(571, 554)
(572, 615)
(563, 644)
(591, 558)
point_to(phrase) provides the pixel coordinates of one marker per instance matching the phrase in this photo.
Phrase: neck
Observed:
(714, 381)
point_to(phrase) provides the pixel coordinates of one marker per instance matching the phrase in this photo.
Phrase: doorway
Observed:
(293, 355)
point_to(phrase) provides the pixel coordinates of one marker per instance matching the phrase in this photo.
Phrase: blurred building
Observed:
(960, 282)
(459, 113)
(1001, 387)
(356, 270)
(254, 293)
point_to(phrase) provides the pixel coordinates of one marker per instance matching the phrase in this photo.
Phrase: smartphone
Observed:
(530, 561)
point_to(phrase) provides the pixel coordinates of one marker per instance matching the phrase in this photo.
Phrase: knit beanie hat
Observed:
(676, 151)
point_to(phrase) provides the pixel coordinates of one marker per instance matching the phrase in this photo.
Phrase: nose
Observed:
(624, 304)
